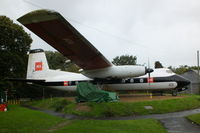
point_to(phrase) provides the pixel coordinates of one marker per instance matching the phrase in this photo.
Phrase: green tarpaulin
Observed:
(87, 92)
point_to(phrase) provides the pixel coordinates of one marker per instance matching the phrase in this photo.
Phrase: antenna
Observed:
(198, 66)
(198, 61)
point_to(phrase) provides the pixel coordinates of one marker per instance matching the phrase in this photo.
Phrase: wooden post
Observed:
(43, 94)
(198, 61)
(151, 96)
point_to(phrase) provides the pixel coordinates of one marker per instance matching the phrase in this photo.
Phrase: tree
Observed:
(14, 45)
(57, 61)
(125, 60)
(158, 64)
(182, 68)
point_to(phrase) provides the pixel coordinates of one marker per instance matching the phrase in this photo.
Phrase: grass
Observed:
(22, 120)
(56, 104)
(119, 108)
(195, 118)
(114, 126)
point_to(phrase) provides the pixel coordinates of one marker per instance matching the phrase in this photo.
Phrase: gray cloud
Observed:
(167, 30)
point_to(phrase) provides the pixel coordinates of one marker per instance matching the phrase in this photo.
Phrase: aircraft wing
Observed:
(26, 80)
(60, 34)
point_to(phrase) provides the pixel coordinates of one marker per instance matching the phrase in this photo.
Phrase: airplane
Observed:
(59, 33)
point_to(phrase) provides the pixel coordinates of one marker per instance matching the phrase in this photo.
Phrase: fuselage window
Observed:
(132, 80)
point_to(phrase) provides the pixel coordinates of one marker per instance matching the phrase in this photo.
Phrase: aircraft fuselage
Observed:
(167, 81)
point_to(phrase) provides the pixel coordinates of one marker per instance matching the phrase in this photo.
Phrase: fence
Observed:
(13, 101)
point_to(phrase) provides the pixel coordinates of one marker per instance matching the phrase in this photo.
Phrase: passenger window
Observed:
(132, 80)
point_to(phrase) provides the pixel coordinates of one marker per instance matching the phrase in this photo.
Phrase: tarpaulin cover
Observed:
(87, 92)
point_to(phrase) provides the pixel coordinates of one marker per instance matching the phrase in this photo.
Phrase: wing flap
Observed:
(60, 34)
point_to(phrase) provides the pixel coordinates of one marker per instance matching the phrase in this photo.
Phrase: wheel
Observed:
(174, 92)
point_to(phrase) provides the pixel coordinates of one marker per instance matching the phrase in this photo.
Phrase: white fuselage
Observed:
(136, 83)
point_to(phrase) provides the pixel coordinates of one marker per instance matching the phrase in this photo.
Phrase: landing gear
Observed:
(174, 92)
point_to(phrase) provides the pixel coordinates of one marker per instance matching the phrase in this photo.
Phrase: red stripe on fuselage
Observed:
(150, 80)
(65, 83)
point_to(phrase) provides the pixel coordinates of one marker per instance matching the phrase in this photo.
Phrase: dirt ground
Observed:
(144, 97)
(139, 97)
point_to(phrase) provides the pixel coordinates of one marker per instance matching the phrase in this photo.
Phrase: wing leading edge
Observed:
(60, 34)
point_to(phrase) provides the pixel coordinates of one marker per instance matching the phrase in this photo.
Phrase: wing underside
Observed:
(26, 80)
(60, 34)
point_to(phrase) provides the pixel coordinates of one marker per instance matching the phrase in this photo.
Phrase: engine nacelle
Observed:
(116, 72)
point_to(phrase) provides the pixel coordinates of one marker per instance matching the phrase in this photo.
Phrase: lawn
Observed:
(114, 126)
(195, 118)
(118, 108)
(21, 120)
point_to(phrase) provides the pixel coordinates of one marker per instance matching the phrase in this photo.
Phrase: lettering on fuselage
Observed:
(171, 84)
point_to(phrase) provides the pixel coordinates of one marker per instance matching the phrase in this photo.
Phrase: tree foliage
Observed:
(158, 64)
(125, 60)
(14, 45)
(183, 68)
(57, 61)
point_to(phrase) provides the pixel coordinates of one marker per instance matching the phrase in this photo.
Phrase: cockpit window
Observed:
(169, 71)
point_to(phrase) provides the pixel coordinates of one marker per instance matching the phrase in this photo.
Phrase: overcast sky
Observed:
(163, 30)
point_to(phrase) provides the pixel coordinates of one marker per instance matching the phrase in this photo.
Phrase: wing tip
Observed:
(38, 16)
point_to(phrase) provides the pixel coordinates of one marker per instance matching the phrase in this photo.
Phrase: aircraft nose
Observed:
(182, 82)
